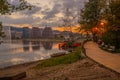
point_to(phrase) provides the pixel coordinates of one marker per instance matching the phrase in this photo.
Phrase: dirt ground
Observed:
(84, 69)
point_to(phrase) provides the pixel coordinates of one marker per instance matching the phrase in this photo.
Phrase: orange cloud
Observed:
(74, 29)
(58, 28)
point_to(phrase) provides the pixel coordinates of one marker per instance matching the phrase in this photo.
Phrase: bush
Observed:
(108, 38)
(111, 38)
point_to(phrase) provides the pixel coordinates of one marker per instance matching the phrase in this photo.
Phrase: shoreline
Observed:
(18, 68)
(57, 40)
(22, 64)
(84, 67)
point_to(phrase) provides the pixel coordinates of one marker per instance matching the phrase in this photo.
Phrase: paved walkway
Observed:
(107, 59)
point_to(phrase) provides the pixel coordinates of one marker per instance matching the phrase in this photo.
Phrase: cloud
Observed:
(56, 23)
(21, 20)
(51, 14)
(60, 7)
(46, 12)
(31, 12)
(14, 2)
(68, 4)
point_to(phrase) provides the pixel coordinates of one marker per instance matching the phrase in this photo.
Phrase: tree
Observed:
(114, 17)
(113, 23)
(7, 8)
(90, 15)
(1, 33)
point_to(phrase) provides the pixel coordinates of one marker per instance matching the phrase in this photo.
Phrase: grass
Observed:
(66, 59)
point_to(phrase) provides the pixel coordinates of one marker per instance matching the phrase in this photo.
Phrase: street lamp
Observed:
(102, 23)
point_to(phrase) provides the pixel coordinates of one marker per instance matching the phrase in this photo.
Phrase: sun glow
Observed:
(74, 29)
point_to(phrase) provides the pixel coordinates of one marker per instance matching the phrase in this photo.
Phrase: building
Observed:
(57, 34)
(7, 32)
(47, 33)
(26, 33)
(12, 33)
(16, 33)
(36, 32)
(66, 34)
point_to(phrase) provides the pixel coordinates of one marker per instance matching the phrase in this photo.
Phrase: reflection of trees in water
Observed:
(47, 45)
(35, 45)
(26, 45)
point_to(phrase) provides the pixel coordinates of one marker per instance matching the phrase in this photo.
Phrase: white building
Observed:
(7, 32)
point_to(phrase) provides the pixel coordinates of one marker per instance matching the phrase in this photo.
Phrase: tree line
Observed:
(102, 17)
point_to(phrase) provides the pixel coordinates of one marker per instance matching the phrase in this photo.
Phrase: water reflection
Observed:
(47, 45)
(26, 46)
(26, 51)
(35, 45)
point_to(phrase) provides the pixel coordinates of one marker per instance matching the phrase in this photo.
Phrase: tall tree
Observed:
(90, 15)
(113, 23)
(115, 15)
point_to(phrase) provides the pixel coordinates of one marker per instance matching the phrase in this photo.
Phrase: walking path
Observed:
(107, 59)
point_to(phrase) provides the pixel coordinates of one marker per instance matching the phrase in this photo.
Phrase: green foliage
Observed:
(108, 38)
(1, 33)
(118, 50)
(7, 8)
(66, 59)
(115, 8)
(4, 7)
(111, 36)
(90, 15)
(114, 22)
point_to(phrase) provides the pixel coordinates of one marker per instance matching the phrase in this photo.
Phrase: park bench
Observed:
(111, 48)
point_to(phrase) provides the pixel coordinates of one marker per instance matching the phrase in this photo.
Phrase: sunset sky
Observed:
(46, 13)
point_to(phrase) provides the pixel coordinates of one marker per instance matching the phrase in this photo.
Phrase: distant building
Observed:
(47, 33)
(26, 33)
(57, 34)
(36, 32)
(16, 33)
(66, 34)
(12, 32)
(41, 30)
(7, 32)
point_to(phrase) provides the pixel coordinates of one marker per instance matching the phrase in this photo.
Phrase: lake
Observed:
(18, 52)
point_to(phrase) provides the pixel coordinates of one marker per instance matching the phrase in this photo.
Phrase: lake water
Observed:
(19, 52)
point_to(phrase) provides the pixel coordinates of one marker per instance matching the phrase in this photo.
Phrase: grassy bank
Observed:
(66, 59)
